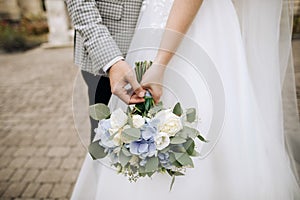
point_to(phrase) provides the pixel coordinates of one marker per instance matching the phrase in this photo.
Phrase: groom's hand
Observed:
(120, 75)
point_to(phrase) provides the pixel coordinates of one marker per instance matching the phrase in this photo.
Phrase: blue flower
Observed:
(164, 160)
(149, 130)
(143, 148)
(106, 141)
(104, 124)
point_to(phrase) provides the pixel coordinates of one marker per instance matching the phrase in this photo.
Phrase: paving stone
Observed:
(3, 187)
(70, 176)
(44, 191)
(4, 161)
(58, 151)
(17, 162)
(41, 151)
(9, 151)
(5, 174)
(50, 176)
(31, 189)
(15, 189)
(37, 162)
(69, 163)
(54, 163)
(31, 175)
(18, 175)
(60, 191)
(25, 151)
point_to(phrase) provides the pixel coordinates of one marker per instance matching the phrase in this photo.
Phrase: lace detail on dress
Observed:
(160, 10)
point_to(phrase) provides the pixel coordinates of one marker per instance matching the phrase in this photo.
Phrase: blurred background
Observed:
(40, 151)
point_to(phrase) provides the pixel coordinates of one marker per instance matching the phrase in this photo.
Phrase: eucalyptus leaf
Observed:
(191, 115)
(142, 171)
(99, 111)
(202, 138)
(178, 148)
(195, 153)
(173, 160)
(151, 165)
(155, 109)
(177, 110)
(96, 150)
(189, 146)
(191, 132)
(130, 121)
(123, 158)
(126, 151)
(172, 182)
(177, 140)
(131, 134)
(184, 159)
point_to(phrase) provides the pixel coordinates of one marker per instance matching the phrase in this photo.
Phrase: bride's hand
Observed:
(153, 79)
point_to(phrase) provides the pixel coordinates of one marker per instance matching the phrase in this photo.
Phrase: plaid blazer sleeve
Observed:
(96, 38)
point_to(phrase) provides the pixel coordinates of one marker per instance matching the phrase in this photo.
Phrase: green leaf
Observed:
(182, 133)
(178, 148)
(195, 154)
(202, 138)
(125, 151)
(142, 171)
(177, 109)
(151, 165)
(96, 150)
(155, 109)
(99, 111)
(130, 122)
(191, 132)
(131, 134)
(174, 161)
(172, 182)
(165, 150)
(191, 115)
(189, 146)
(177, 140)
(184, 159)
(123, 158)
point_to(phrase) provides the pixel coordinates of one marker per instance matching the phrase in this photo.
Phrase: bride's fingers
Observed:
(136, 99)
(155, 90)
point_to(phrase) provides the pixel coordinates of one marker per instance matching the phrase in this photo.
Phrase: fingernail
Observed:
(141, 94)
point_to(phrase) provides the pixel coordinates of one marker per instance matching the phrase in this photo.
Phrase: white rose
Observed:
(169, 122)
(118, 119)
(138, 121)
(162, 140)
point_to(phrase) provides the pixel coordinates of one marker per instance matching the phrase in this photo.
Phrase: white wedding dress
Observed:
(246, 158)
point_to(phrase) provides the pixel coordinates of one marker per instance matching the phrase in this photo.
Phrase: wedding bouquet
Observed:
(147, 138)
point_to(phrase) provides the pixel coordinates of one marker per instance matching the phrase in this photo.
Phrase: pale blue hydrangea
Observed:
(164, 159)
(143, 148)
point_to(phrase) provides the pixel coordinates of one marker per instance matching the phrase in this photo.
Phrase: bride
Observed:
(234, 66)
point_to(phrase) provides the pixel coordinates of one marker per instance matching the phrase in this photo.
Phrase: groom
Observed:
(103, 32)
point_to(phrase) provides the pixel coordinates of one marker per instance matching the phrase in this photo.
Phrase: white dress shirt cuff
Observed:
(111, 63)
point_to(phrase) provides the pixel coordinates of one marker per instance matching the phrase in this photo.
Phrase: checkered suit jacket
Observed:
(103, 30)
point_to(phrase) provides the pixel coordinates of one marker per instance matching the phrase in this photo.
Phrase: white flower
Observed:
(138, 121)
(118, 139)
(169, 122)
(112, 130)
(118, 119)
(162, 140)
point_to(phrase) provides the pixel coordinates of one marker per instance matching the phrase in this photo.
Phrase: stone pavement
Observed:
(40, 153)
